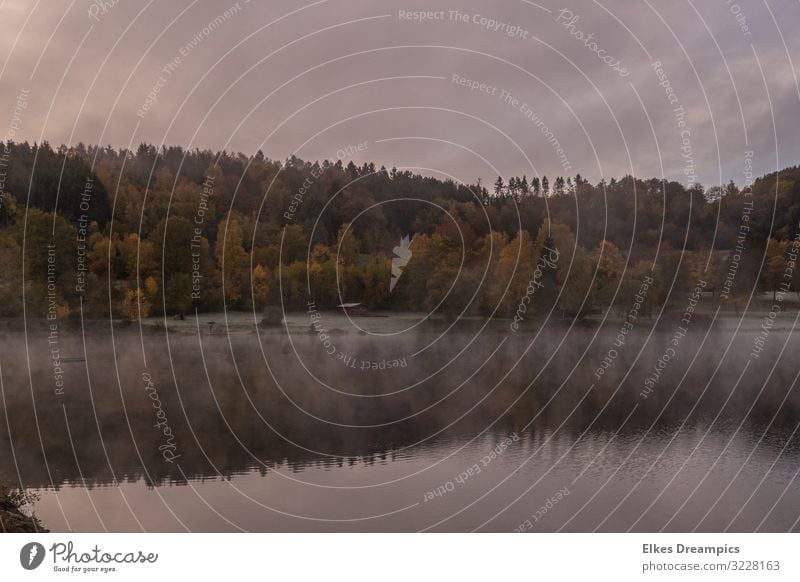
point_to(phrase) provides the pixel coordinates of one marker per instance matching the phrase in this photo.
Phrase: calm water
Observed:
(208, 432)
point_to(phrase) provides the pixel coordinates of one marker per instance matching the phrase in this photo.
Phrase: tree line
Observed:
(168, 230)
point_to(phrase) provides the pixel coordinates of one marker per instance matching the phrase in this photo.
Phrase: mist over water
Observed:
(475, 428)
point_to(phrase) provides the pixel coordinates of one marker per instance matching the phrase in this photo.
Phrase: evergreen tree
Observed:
(499, 185)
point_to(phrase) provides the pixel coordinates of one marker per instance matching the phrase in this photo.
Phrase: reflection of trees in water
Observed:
(224, 425)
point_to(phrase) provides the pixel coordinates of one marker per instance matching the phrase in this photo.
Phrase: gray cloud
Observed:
(286, 77)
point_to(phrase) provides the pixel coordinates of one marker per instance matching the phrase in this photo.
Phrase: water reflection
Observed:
(254, 442)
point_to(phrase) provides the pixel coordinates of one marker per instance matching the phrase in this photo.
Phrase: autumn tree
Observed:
(261, 286)
(775, 267)
(233, 260)
(610, 265)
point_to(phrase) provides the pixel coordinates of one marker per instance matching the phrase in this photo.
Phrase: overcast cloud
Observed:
(311, 79)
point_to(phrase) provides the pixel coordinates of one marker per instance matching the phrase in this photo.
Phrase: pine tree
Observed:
(498, 186)
(558, 189)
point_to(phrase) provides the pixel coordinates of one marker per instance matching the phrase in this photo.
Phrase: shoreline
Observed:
(12, 518)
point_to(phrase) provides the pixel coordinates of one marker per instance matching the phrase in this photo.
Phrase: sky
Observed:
(692, 91)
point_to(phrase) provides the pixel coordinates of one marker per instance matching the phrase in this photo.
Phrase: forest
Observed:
(167, 231)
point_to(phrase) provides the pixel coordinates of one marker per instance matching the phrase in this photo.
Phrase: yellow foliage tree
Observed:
(261, 285)
(134, 305)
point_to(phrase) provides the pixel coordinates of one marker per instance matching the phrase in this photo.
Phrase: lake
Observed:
(396, 424)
